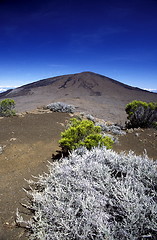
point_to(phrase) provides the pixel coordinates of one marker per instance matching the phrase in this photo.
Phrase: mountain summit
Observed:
(88, 81)
(99, 95)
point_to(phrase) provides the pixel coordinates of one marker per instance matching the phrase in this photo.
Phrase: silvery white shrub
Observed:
(61, 107)
(98, 194)
(103, 126)
(90, 117)
(116, 130)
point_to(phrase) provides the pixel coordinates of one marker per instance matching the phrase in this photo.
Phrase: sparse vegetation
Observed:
(83, 133)
(7, 108)
(61, 107)
(113, 129)
(90, 117)
(98, 194)
(141, 114)
(94, 194)
(155, 125)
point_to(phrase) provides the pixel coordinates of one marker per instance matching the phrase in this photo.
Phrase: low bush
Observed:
(155, 125)
(98, 194)
(7, 107)
(113, 129)
(141, 114)
(90, 117)
(83, 133)
(61, 107)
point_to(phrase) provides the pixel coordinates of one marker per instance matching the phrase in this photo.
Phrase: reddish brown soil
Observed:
(28, 143)
(140, 141)
(28, 146)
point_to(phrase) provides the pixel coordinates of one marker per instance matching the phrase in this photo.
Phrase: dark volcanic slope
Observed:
(97, 94)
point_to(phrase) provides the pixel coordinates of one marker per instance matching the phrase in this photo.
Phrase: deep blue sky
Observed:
(40, 39)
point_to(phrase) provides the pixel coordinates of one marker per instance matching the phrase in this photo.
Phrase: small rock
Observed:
(12, 139)
(137, 129)
(137, 134)
(109, 123)
(21, 114)
(6, 224)
(129, 130)
(1, 149)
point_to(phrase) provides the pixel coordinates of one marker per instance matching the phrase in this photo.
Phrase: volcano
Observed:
(96, 94)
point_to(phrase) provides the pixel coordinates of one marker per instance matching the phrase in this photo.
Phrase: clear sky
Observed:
(46, 38)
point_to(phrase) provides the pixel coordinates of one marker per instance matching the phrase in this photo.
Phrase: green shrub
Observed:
(155, 125)
(141, 114)
(83, 133)
(6, 108)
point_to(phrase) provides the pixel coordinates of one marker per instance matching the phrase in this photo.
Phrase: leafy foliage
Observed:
(61, 107)
(141, 114)
(155, 125)
(6, 107)
(98, 194)
(83, 133)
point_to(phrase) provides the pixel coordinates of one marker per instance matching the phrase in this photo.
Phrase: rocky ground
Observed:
(139, 141)
(27, 143)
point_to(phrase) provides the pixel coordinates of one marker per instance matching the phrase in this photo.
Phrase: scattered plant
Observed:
(114, 129)
(155, 125)
(90, 117)
(61, 107)
(141, 114)
(98, 194)
(7, 108)
(83, 133)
